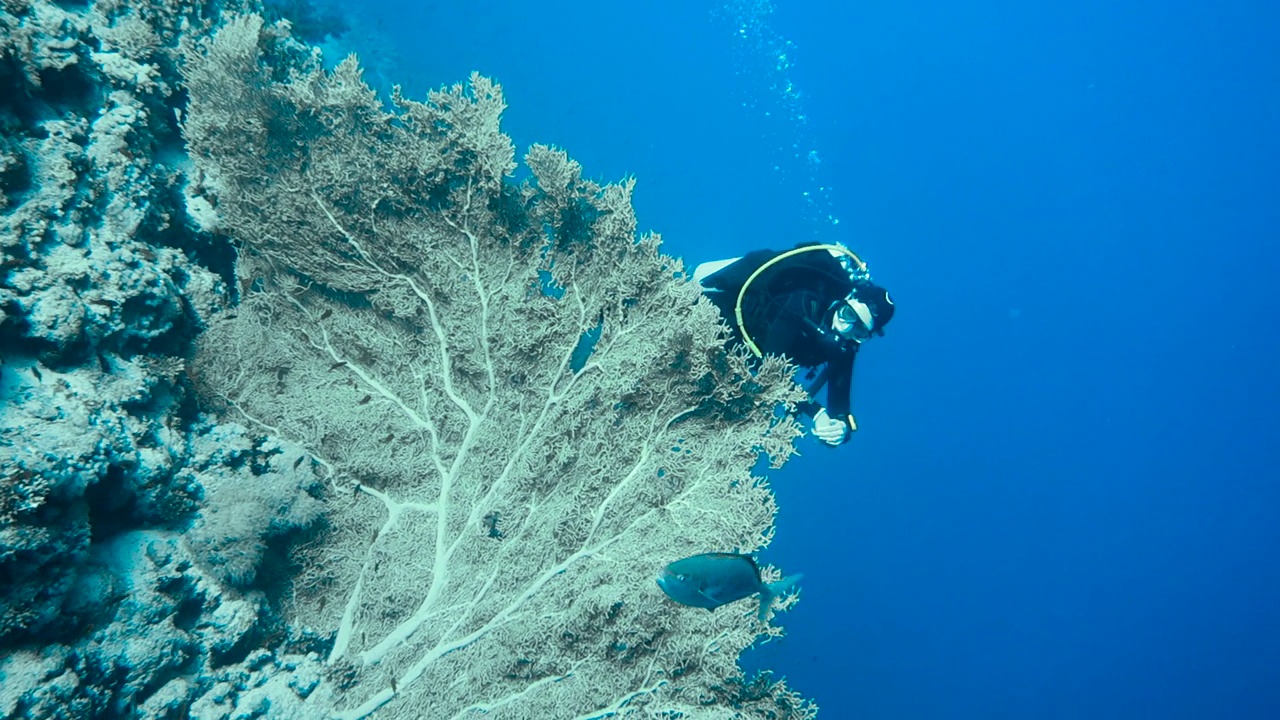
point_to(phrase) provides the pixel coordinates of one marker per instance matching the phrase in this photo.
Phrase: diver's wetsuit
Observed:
(787, 311)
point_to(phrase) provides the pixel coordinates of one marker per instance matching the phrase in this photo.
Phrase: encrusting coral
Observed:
(436, 430)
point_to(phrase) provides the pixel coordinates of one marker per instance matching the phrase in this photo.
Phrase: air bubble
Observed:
(767, 58)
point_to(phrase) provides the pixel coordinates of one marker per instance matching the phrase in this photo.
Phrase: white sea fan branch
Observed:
(503, 494)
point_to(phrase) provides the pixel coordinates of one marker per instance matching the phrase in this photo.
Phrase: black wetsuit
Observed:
(787, 311)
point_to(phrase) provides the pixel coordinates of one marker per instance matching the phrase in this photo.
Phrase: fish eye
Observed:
(682, 578)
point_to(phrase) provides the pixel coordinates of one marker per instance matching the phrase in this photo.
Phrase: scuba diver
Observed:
(816, 305)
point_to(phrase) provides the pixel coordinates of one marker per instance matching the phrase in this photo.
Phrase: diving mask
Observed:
(852, 319)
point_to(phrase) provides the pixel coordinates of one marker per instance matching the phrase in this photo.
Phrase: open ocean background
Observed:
(1063, 499)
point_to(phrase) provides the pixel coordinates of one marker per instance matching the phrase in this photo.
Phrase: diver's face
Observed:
(852, 320)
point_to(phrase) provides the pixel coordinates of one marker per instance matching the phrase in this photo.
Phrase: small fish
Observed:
(714, 579)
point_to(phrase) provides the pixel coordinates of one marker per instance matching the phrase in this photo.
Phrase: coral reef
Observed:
(319, 414)
(101, 291)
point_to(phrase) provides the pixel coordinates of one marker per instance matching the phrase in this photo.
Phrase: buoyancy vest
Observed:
(756, 291)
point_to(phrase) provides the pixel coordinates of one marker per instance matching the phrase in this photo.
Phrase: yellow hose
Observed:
(737, 308)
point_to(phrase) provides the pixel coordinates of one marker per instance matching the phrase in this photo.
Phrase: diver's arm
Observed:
(837, 377)
(794, 325)
(840, 387)
(808, 407)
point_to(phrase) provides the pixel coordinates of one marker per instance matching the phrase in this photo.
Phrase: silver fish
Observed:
(714, 579)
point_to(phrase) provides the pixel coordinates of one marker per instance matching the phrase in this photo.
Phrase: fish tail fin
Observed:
(773, 590)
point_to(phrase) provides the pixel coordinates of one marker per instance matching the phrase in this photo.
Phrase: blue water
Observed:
(1063, 499)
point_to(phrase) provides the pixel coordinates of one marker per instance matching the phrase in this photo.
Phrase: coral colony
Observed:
(312, 411)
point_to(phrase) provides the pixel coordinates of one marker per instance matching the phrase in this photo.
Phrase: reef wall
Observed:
(298, 416)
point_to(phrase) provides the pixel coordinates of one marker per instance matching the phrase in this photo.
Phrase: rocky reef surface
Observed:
(124, 571)
(154, 525)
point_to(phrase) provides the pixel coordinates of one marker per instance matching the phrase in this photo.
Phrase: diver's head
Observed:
(863, 313)
(852, 319)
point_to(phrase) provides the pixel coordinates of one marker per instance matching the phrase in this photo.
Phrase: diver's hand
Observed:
(828, 429)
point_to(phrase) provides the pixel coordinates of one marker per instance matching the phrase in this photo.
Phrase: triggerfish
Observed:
(714, 579)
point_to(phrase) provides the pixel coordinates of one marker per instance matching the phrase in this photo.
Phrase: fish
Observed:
(714, 579)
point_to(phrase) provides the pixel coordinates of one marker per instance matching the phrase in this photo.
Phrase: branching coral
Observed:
(413, 319)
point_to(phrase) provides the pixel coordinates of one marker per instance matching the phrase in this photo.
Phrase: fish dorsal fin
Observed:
(730, 555)
(755, 567)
